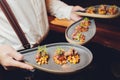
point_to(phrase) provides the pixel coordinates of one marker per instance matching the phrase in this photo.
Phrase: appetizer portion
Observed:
(102, 9)
(84, 25)
(62, 57)
(90, 10)
(79, 29)
(112, 9)
(59, 57)
(72, 56)
(78, 36)
(42, 55)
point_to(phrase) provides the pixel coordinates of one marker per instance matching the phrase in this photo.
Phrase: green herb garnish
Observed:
(42, 50)
(59, 50)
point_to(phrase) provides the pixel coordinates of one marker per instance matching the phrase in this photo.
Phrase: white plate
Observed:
(85, 58)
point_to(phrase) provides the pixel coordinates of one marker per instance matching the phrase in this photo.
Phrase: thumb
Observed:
(75, 8)
(75, 17)
(16, 55)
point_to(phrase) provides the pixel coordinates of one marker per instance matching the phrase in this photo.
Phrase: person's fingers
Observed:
(10, 51)
(75, 17)
(16, 55)
(18, 64)
(75, 8)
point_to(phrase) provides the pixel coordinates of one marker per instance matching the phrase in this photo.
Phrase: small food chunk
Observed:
(112, 10)
(90, 10)
(59, 56)
(62, 57)
(102, 9)
(42, 55)
(72, 56)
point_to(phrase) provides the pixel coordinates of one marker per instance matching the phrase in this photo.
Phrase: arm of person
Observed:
(9, 57)
(61, 10)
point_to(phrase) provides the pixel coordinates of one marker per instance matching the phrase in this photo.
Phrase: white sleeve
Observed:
(59, 9)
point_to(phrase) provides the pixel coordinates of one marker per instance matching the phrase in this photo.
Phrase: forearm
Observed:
(59, 9)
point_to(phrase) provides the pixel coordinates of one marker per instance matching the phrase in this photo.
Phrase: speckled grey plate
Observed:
(85, 58)
(88, 35)
(96, 15)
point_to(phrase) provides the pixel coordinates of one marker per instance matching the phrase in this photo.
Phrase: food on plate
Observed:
(82, 27)
(62, 57)
(90, 10)
(42, 55)
(112, 9)
(72, 56)
(78, 36)
(59, 56)
(102, 9)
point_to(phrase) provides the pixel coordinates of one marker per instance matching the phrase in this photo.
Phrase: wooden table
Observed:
(106, 34)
